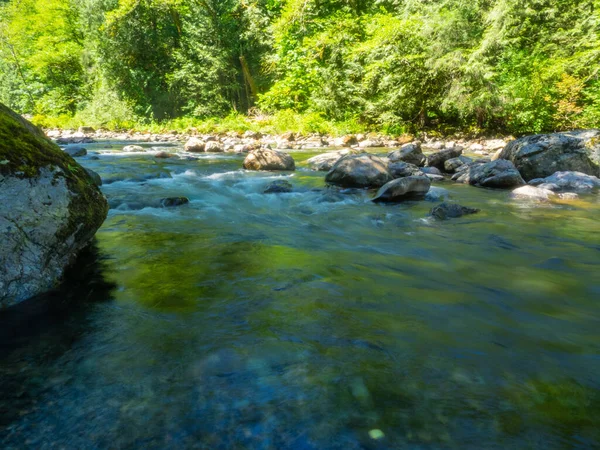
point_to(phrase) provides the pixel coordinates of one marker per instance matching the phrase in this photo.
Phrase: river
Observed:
(308, 320)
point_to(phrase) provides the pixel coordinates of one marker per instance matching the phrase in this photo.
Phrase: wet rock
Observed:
(532, 193)
(133, 148)
(437, 194)
(170, 202)
(438, 159)
(401, 169)
(279, 187)
(403, 189)
(452, 164)
(431, 171)
(194, 145)
(568, 182)
(267, 159)
(359, 171)
(409, 153)
(494, 174)
(542, 155)
(75, 151)
(50, 209)
(445, 211)
(325, 161)
(94, 176)
(214, 147)
(164, 155)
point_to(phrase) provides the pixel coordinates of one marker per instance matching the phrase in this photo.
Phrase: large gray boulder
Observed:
(568, 182)
(403, 189)
(360, 171)
(541, 155)
(495, 174)
(401, 169)
(325, 161)
(409, 153)
(267, 159)
(50, 208)
(438, 159)
(194, 145)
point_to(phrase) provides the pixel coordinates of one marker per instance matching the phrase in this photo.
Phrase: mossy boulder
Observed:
(50, 208)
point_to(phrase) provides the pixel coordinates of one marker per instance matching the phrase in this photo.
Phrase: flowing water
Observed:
(309, 320)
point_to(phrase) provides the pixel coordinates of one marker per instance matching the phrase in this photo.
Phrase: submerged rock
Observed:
(403, 189)
(267, 159)
(542, 155)
(75, 151)
(169, 202)
(94, 176)
(447, 210)
(50, 208)
(164, 155)
(494, 174)
(568, 182)
(279, 187)
(360, 171)
(437, 194)
(409, 153)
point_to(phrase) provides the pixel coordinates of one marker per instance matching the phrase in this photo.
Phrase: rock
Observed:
(79, 139)
(370, 143)
(86, 130)
(431, 171)
(279, 187)
(359, 171)
(532, 193)
(170, 202)
(349, 140)
(252, 135)
(194, 145)
(94, 176)
(445, 211)
(436, 194)
(568, 196)
(496, 156)
(494, 174)
(403, 189)
(267, 159)
(492, 145)
(542, 155)
(133, 148)
(164, 155)
(410, 153)
(568, 181)
(214, 147)
(476, 147)
(325, 161)
(288, 137)
(244, 148)
(438, 159)
(401, 169)
(75, 151)
(452, 164)
(50, 209)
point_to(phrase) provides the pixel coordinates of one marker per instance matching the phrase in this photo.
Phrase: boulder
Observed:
(279, 187)
(349, 140)
(86, 130)
(252, 135)
(568, 182)
(438, 159)
(360, 171)
(94, 176)
(170, 202)
(370, 143)
(401, 169)
(194, 145)
(494, 174)
(214, 147)
(133, 148)
(532, 193)
(446, 210)
(541, 155)
(403, 189)
(452, 164)
(267, 159)
(50, 209)
(410, 153)
(75, 151)
(325, 161)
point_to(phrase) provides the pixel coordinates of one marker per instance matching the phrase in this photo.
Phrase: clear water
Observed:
(309, 320)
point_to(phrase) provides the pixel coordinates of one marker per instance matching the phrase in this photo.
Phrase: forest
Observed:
(394, 66)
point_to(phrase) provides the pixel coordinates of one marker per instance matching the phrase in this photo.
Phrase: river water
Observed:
(308, 320)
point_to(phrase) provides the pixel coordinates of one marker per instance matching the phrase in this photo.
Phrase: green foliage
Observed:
(391, 65)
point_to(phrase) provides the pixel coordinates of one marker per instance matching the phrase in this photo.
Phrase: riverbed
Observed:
(314, 319)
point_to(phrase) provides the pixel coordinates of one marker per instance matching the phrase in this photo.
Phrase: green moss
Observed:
(24, 150)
